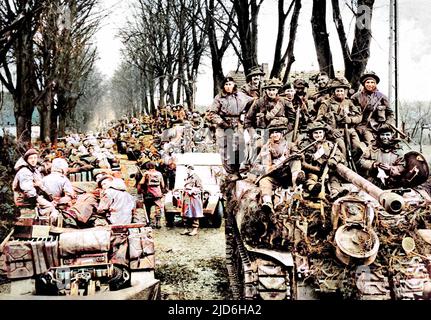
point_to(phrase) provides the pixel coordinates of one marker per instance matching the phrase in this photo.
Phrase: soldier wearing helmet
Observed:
(273, 153)
(152, 186)
(28, 188)
(383, 162)
(254, 79)
(341, 115)
(316, 157)
(227, 114)
(116, 203)
(57, 183)
(267, 111)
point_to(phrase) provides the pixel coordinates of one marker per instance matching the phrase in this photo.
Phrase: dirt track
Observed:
(191, 268)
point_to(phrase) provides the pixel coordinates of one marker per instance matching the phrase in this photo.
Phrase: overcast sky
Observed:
(414, 37)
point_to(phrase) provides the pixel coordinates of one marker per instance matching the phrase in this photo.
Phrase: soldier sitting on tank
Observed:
(375, 108)
(268, 111)
(273, 153)
(316, 158)
(300, 102)
(383, 162)
(342, 116)
(253, 85)
(323, 93)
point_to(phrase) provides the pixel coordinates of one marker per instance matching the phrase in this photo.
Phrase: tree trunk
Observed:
(161, 93)
(321, 38)
(361, 44)
(282, 16)
(23, 100)
(54, 127)
(45, 125)
(247, 15)
(292, 37)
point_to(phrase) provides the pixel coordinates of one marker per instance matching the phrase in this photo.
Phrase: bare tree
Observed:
(220, 20)
(165, 40)
(280, 65)
(356, 58)
(247, 12)
(321, 37)
(19, 21)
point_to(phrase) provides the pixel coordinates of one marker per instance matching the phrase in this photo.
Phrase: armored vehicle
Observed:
(370, 244)
(208, 167)
(105, 262)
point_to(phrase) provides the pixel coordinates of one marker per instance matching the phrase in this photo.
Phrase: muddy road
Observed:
(191, 268)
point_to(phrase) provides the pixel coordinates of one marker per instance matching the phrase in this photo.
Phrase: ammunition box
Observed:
(19, 259)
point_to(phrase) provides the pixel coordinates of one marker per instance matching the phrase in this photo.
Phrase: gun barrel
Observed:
(391, 202)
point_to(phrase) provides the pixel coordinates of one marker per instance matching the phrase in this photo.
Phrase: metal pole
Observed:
(391, 43)
(396, 60)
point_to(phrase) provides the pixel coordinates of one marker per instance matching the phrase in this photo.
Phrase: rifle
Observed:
(326, 170)
(402, 134)
(349, 148)
(321, 195)
(296, 127)
(281, 164)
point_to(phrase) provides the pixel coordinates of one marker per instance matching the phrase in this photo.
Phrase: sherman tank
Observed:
(370, 244)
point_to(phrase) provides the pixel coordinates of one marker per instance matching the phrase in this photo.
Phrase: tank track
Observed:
(253, 277)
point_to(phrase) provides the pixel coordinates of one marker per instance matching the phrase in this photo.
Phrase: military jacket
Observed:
(391, 156)
(369, 102)
(274, 153)
(336, 113)
(318, 154)
(267, 112)
(304, 107)
(250, 90)
(226, 109)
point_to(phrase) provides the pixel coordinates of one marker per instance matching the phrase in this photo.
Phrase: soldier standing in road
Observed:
(192, 209)
(151, 187)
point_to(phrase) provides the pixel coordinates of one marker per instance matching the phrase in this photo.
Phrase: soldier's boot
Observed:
(315, 189)
(157, 224)
(267, 205)
(298, 178)
(193, 232)
(185, 232)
